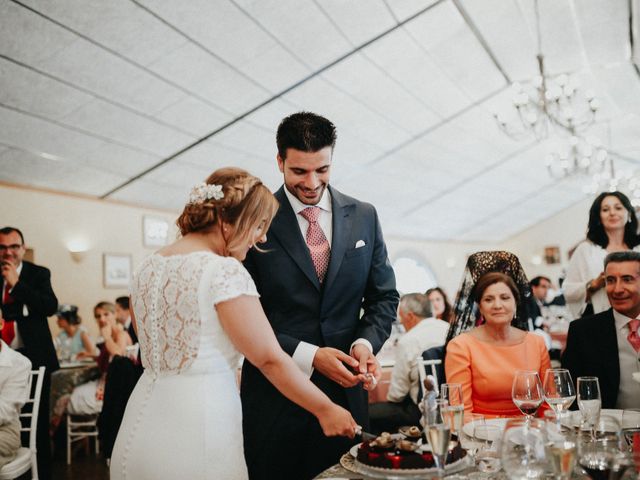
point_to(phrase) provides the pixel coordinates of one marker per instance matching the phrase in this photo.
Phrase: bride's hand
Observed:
(337, 421)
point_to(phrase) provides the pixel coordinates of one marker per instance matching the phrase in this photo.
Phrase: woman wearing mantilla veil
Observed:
(488, 341)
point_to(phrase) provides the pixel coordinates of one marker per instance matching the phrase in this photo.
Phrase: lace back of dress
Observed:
(165, 299)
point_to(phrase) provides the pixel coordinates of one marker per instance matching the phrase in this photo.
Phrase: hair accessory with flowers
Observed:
(204, 191)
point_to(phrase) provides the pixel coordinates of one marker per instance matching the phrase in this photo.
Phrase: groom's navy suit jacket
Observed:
(358, 299)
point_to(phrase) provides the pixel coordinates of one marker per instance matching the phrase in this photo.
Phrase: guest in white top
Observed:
(14, 379)
(423, 332)
(612, 227)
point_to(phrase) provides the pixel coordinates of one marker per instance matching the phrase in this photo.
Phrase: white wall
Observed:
(445, 259)
(565, 230)
(49, 221)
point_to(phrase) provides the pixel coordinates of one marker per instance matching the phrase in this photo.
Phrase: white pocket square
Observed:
(360, 243)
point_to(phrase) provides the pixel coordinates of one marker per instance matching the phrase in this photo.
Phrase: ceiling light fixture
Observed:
(547, 103)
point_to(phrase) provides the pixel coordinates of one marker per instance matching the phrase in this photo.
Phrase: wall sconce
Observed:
(451, 262)
(536, 260)
(78, 249)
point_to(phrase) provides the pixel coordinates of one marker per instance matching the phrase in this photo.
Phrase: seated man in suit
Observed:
(423, 333)
(14, 379)
(607, 345)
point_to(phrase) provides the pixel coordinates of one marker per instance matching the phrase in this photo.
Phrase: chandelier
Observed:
(547, 103)
(579, 155)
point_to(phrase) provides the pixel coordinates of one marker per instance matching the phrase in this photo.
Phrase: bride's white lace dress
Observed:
(184, 418)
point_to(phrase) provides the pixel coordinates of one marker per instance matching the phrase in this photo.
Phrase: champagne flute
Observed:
(452, 393)
(631, 428)
(589, 400)
(438, 432)
(559, 392)
(526, 392)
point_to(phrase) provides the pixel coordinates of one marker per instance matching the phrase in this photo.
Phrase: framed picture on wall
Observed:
(155, 231)
(551, 255)
(116, 270)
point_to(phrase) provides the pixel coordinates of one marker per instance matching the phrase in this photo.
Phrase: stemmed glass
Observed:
(526, 392)
(631, 427)
(559, 392)
(522, 450)
(599, 453)
(487, 456)
(438, 432)
(589, 401)
(452, 393)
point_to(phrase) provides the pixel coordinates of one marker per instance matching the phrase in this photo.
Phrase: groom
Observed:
(329, 292)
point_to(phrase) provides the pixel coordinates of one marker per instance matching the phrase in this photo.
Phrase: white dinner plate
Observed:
(611, 412)
(468, 428)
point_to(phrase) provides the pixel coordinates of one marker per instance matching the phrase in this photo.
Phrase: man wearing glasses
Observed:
(27, 301)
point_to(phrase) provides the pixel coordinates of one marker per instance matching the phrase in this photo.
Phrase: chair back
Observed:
(433, 359)
(431, 377)
(29, 416)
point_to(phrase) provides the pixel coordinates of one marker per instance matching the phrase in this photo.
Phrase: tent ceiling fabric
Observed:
(98, 97)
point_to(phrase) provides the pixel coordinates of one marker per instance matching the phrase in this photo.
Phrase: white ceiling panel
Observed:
(406, 61)
(29, 91)
(361, 79)
(110, 122)
(197, 71)
(358, 21)
(27, 37)
(120, 25)
(508, 34)
(316, 44)
(27, 168)
(118, 159)
(193, 116)
(165, 196)
(403, 9)
(33, 134)
(92, 68)
(599, 26)
(179, 174)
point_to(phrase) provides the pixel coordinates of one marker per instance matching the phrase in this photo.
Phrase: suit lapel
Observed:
(341, 227)
(286, 229)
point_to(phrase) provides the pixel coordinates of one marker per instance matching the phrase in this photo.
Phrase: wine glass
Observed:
(438, 432)
(589, 400)
(562, 449)
(487, 439)
(598, 453)
(559, 392)
(526, 392)
(452, 393)
(522, 449)
(631, 428)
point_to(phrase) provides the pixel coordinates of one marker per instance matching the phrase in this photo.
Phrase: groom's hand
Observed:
(368, 366)
(331, 363)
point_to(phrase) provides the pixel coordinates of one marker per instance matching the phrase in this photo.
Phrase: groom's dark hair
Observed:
(305, 131)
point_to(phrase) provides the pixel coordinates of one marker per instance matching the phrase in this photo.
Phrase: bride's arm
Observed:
(246, 324)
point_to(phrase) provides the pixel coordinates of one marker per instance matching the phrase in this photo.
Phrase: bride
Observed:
(195, 308)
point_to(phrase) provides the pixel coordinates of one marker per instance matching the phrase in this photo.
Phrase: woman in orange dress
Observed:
(484, 359)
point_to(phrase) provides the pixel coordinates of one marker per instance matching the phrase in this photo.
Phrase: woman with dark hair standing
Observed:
(440, 305)
(613, 227)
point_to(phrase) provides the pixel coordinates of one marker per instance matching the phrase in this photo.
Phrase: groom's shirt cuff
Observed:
(303, 356)
(361, 341)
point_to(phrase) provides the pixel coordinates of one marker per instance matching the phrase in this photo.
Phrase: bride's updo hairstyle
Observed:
(242, 202)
